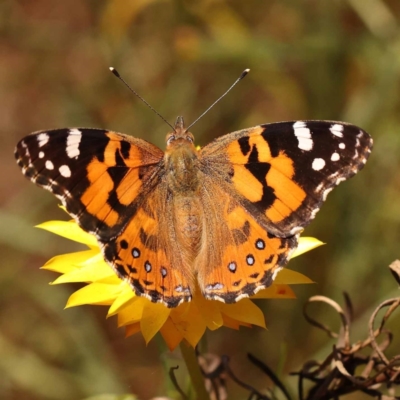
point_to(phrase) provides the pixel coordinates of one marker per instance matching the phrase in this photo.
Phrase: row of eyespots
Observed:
(147, 265)
(136, 254)
(250, 260)
(232, 266)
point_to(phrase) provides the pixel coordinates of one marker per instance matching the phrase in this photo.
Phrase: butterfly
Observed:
(223, 219)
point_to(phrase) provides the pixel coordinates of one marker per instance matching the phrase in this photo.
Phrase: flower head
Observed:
(187, 321)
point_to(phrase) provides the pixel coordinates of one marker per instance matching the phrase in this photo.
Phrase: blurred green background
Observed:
(311, 59)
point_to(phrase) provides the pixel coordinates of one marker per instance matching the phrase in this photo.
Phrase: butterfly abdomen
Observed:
(188, 221)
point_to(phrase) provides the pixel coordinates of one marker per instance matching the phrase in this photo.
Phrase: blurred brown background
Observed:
(314, 59)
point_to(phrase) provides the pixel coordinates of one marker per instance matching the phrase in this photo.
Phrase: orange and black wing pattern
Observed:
(282, 172)
(101, 177)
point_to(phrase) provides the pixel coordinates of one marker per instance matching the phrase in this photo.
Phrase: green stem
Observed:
(196, 377)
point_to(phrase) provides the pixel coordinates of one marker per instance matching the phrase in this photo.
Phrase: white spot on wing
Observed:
(303, 135)
(25, 147)
(342, 146)
(241, 296)
(73, 140)
(216, 286)
(296, 230)
(276, 273)
(337, 130)
(318, 164)
(49, 164)
(41, 154)
(340, 180)
(325, 194)
(42, 139)
(67, 194)
(335, 157)
(314, 213)
(65, 171)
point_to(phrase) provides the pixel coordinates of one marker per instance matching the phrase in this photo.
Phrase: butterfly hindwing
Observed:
(99, 176)
(282, 172)
(146, 255)
(249, 258)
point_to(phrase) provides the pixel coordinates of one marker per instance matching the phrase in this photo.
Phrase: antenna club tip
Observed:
(114, 71)
(244, 73)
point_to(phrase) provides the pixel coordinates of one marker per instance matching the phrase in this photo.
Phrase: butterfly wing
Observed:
(147, 256)
(270, 181)
(239, 257)
(282, 172)
(112, 184)
(101, 177)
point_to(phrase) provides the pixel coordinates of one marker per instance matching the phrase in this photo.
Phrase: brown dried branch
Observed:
(339, 374)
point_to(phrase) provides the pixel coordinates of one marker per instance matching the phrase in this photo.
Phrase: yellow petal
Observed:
(275, 291)
(233, 324)
(170, 334)
(306, 244)
(210, 311)
(133, 312)
(244, 311)
(112, 280)
(124, 300)
(290, 277)
(230, 322)
(132, 329)
(153, 318)
(95, 293)
(68, 262)
(92, 272)
(69, 230)
(191, 325)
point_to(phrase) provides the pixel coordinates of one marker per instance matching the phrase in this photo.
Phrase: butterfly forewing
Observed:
(99, 176)
(282, 172)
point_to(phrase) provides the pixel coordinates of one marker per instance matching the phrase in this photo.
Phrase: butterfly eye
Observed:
(189, 139)
(171, 139)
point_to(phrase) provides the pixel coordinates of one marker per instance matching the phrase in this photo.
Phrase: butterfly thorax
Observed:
(181, 161)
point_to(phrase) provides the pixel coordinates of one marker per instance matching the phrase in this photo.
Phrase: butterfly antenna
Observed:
(116, 73)
(242, 75)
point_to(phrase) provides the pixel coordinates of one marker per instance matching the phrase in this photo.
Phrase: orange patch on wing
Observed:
(263, 149)
(96, 195)
(129, 187)
(247, 184)
(289, 195)
(244, 181)
(135, 158)
(235, 154)
(109, 153)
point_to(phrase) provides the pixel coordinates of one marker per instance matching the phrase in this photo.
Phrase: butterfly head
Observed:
(179, 137)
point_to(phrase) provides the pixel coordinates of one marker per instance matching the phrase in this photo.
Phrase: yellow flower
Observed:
(187, 321)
